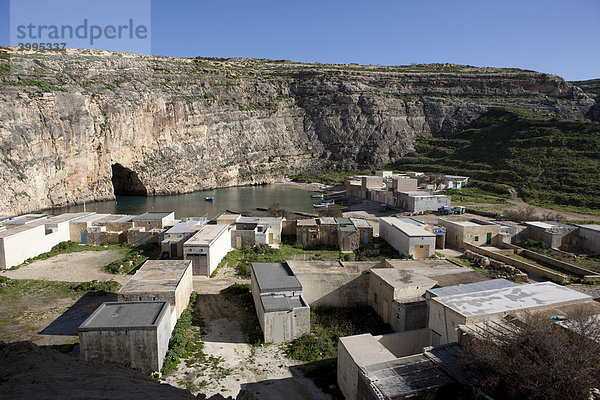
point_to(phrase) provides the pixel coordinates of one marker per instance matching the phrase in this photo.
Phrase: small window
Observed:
(477, 238)
(375, 298)
(140, 298)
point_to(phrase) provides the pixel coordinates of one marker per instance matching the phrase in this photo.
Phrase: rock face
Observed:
(168, 125)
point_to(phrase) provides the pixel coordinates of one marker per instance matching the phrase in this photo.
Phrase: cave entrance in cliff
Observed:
(126, 182)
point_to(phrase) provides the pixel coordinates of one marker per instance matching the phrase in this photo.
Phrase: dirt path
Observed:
(73, 267)
(233, 364)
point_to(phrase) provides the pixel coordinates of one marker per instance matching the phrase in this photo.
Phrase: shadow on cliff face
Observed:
(126, 182)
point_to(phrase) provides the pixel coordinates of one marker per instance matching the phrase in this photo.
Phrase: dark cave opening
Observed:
(126, 182)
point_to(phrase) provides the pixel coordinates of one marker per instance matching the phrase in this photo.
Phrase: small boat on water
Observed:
(317, 196)
(321, 206)
(211, 199)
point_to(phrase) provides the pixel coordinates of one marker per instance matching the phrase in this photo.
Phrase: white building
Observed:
(446, 313)
(207, 248)
(250, 231)
(407, 237)
(28, 240)
(453, 182)
(175, 237)
(591, 237)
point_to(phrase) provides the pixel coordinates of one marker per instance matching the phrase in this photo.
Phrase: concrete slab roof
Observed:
(275, 277)
(408, 229)
(539, 224)
(24, 219)
(522, 297)
(471, 287)
(19, 229)
(271, 302)
(399, 278)
(157, 276)
(125, 315)
(343, 220)
(206, 235)
(366, 350)
(153, 215)
(59, 219)
(326, 221)
(360, 223)
(348, 228)
(443, 271)
(90, 218)
(186, 226)
(259, 220)
(591, 227)
(307, 222)
(463, 223)
(410, 220)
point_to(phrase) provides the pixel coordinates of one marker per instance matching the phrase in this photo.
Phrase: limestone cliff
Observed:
(170, 125)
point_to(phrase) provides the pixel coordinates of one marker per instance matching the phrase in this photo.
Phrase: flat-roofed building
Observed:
(251, 231)
(421, 200)
(175, 237)
(591, 237)
(407, 238)
(282, 312)
(465, 288)
(161, 280)
(447, 313)
(474, 232)
(22, 241)
(390, 285)
(132, 334)
(78, 227)
(154, 220)
(207, 247)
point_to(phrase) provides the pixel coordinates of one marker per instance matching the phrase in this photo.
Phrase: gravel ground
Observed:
(73, 267)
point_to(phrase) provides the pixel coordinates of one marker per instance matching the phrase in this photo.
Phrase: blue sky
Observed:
(559, 37)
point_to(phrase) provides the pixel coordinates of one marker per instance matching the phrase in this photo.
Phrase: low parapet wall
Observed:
(586, 274)
(522, 265)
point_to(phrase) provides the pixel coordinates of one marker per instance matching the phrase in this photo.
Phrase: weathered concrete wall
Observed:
(408, 316)
(295, 324)
(443, 323)
(591, 239)
(335, 286)
(527, 267)
(380, 297)
(142, 349)
(403, 344)
(241, 238)
(355, 352)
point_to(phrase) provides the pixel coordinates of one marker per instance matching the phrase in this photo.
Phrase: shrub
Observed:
(179, 337)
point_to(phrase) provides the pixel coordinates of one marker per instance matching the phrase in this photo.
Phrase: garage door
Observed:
(199, 264)
(422, 251)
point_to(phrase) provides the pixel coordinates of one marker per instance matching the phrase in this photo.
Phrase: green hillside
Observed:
(550, 162)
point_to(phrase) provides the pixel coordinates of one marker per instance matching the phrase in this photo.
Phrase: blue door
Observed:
(143, 240)
(366, 238)
(84, 237)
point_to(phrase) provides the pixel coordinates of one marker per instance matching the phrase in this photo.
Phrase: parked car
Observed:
(458, 210)
(445, 210)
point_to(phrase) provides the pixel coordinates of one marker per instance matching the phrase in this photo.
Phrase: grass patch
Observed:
(16, 288)
(179, 338)
(241, 259)
(250, 326)
(591, 262)
(133, 257)
(328, 324)
(475, 195)
(61, 248)
(550, 162)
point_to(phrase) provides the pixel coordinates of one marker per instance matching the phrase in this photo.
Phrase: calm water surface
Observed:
(242, 199)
